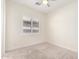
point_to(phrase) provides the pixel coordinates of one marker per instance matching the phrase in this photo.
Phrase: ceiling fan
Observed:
(45, 2)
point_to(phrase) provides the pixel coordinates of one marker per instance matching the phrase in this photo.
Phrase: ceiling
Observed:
(43, 8)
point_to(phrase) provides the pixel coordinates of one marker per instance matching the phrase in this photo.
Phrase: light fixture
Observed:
(44, 2)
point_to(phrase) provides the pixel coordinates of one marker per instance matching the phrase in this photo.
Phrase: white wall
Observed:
(15, 38)
(62, 27)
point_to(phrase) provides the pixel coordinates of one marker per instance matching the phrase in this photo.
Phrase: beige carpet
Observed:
(41, 51)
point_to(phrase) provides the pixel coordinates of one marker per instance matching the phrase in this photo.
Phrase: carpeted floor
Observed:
(41, 51)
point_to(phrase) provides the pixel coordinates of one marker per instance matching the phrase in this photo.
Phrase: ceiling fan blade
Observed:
(37, 3)
(51, 0)
(48, 5)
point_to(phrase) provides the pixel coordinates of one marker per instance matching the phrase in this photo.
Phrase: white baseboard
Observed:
(33, 44)
(25, 46)
(71, 49)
